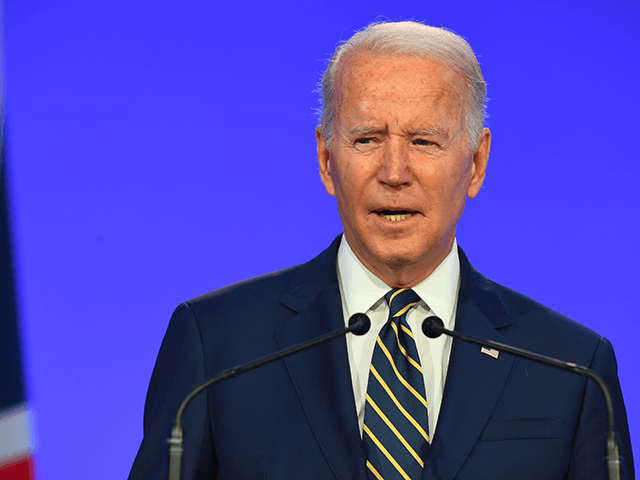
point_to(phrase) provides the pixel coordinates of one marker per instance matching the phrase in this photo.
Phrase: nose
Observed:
(395, 170)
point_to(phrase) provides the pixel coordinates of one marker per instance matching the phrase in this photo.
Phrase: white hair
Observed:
(410, 38)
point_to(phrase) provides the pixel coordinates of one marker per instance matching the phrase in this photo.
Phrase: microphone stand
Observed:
(359, 324)
(433, 327)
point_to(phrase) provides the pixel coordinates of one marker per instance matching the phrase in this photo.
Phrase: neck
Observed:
(406, 274)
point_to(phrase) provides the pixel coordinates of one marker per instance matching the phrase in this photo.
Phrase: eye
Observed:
(424, 143)
(365, 144)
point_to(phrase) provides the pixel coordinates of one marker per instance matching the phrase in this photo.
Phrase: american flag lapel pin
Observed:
(492, 352)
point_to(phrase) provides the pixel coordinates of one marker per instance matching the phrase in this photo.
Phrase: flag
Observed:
(16, 439)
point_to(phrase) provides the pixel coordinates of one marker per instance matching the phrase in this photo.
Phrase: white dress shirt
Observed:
(363, 292)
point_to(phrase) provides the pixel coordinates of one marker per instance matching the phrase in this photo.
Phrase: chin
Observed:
(398, 255)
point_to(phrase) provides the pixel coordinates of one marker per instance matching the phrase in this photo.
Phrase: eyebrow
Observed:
(358, 130)
(363, 130)
(431, 131)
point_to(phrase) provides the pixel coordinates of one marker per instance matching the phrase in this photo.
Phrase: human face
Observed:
(400, 167)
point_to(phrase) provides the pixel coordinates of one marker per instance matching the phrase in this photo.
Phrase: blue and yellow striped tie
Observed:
(396, 433)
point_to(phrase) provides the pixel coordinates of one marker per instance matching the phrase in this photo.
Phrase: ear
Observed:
(480, 159)
(324, 162)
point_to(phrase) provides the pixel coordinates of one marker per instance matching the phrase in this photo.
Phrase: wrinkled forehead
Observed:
(366, 77)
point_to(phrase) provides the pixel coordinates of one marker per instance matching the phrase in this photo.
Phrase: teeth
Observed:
(396, 218)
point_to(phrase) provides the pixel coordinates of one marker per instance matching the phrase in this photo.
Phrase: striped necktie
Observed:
(395, 420)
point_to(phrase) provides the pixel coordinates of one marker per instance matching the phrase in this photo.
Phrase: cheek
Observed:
(337, 176)
(461, 176)
(348, 178)
(343, 186)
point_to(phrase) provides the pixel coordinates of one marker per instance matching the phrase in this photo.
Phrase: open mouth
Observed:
(394, 215)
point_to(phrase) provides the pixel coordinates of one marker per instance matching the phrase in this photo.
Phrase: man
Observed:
(401, 146)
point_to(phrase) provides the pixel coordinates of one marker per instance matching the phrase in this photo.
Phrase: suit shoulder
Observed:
(265, 292)
(253, 290)
(520, 304)
(538, 325)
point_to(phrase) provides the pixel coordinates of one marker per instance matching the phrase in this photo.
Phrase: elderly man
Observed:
(401, 146)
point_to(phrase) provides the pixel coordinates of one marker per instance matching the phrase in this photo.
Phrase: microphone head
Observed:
(359, 324)
(432, 327)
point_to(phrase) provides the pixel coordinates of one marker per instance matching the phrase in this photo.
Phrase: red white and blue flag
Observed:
(16, 438)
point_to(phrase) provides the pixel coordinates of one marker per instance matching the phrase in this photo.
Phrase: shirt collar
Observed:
(364, 291)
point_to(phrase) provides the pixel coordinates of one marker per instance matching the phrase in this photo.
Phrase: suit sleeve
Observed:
(589, 444)
(180, 368)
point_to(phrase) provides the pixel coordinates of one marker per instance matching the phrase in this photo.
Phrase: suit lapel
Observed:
(321, 374)
(323, 382)
(474, 380)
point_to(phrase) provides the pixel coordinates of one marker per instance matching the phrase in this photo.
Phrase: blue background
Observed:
(160, 150)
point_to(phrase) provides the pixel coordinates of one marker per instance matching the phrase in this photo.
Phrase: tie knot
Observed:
(400, 300)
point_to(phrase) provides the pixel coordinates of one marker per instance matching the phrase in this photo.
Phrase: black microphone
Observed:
(359, 324)
(433, 327)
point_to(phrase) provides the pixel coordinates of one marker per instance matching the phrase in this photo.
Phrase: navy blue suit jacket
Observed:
(504, 418)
